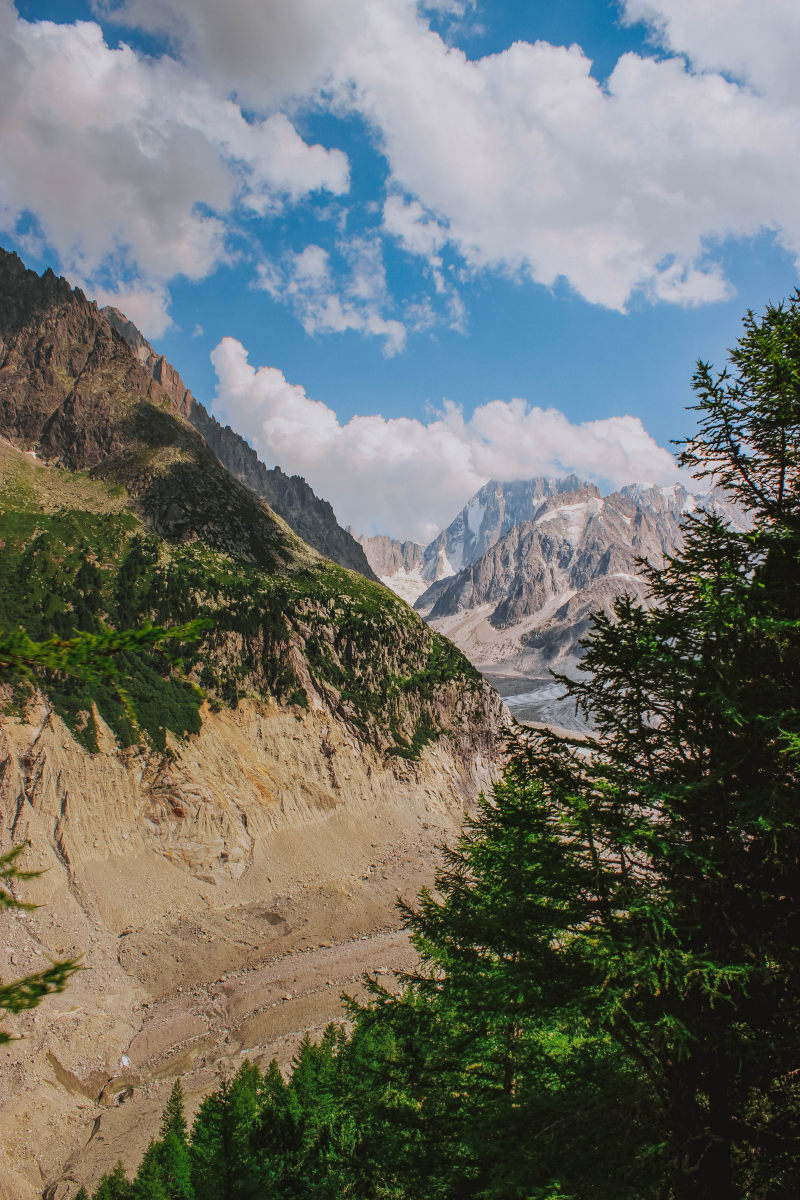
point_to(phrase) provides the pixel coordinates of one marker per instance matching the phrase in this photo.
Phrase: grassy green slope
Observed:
(125, 515)
(75, 552)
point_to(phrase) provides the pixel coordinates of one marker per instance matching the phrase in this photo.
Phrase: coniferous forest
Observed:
(607, 1001)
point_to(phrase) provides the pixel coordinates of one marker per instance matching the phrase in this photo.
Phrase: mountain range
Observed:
(288, 495)
(223, 850)
(514, 579)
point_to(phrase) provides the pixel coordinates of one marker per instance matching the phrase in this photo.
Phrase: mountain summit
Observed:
(516, 576)
(288, 495)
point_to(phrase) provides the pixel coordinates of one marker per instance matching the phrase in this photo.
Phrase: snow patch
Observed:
(475, 511)
(446, 568)
(574, 515)
(408, 585)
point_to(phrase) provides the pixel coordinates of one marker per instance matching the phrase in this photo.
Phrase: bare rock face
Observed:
(525, 604)
(410, 570)
(260, 859)
(387, 555)
(421, 574)
(311, 518)
(490, 514)
(397, 564)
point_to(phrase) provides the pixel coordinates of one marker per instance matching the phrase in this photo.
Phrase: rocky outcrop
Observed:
(387, 556)
(397, 564)
(410, 570)
(311, 518)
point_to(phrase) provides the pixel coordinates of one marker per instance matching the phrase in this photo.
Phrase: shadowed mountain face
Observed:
(311, 518)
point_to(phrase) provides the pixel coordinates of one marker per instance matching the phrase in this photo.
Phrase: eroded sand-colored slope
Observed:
(221, 900)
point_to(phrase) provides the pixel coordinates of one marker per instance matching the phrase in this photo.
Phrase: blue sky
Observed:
(404, 247)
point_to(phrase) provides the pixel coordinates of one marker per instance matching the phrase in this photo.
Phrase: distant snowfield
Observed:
(408, 585)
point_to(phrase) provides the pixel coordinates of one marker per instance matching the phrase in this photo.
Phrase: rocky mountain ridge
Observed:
(488, 515)
(290, 496)
(194, 847)
(524, 605)
(538, 558)
(410, 569)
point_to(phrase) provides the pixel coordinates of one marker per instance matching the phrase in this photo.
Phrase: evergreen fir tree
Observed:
(173, 1148)
(149, 1181)
(176, 1167)
(221, 1159)
(114, 1186)
(278, 1135)
(174, 1119)
(499, 1085)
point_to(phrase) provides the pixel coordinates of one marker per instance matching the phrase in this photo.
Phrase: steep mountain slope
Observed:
(190, 844)
(409, 569)
(288, 495)
(524, 605)
(71, 389)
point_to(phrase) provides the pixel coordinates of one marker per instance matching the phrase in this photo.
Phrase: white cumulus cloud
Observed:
(757, 43)
(534, 167)
(407, 477)
(147, 305)
(522, 160)
(133, 166)
(519, 162)
(327, 303)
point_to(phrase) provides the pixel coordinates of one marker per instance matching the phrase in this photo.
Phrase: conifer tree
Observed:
(173, 1149)
(114, 1185)
(621, 920)
(174, 1119)
(149, 1181)
(176, 1167)
(278, 1135)
(222, 1163)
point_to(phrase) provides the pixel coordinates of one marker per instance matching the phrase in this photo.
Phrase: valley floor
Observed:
(537, 701)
